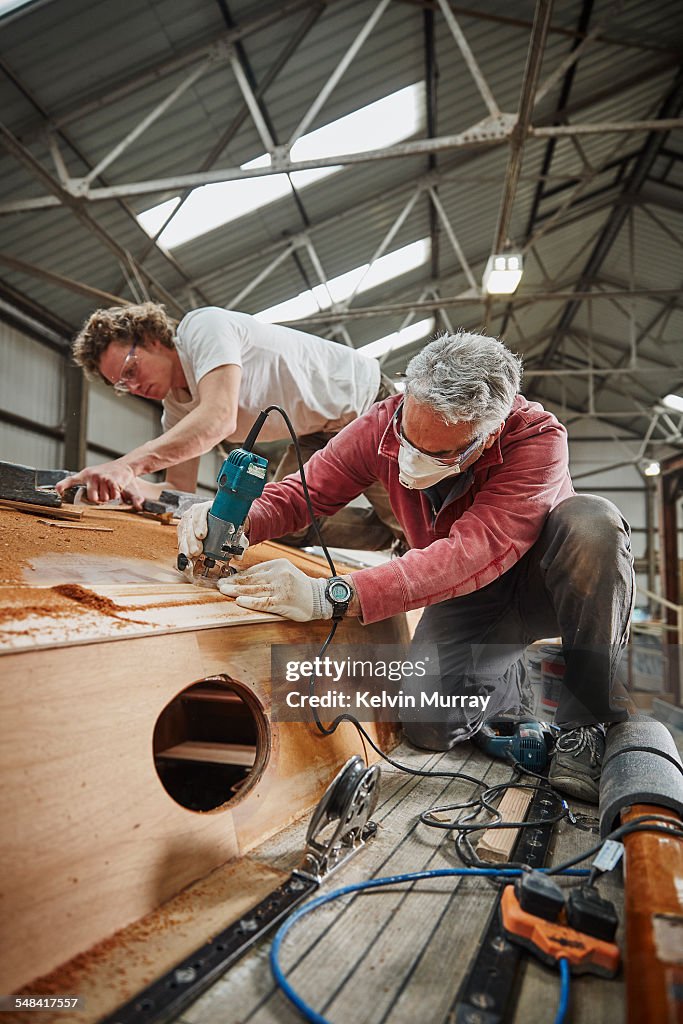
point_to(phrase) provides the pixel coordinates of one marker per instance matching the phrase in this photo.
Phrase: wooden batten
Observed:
(92, 841)
(496, 844)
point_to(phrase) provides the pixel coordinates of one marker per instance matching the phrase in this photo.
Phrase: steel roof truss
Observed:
(324, 94)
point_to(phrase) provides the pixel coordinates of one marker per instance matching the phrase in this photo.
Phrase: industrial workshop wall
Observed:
(32, 408)
(118, 422)
(31, 400)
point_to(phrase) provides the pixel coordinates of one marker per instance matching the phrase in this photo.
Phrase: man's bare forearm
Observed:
(186, 440)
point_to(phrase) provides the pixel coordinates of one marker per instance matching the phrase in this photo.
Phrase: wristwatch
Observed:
(339, 593)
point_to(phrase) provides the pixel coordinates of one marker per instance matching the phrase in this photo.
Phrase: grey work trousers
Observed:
(367, 529)
(576, 582)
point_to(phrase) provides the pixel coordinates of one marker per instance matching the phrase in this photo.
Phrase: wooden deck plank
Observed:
(250, 982)
(349, 931)
(397, 957)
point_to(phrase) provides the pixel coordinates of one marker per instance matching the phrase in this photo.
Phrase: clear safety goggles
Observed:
(128, 372)
(456, 459)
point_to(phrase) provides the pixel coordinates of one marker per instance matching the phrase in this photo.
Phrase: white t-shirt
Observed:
(320, 384)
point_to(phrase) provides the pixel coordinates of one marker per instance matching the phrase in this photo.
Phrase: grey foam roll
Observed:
(650, 774)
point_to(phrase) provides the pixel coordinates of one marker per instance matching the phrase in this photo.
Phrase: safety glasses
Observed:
(128, 372)
(457, 459)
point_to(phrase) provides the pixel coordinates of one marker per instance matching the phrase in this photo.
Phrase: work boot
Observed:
(577, 762)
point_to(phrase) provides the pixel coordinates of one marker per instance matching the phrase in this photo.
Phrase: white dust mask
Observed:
(417, 471)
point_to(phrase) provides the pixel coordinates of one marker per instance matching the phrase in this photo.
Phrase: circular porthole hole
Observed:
(211, 744)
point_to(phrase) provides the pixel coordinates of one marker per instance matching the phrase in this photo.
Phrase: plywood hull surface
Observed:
(91, 839)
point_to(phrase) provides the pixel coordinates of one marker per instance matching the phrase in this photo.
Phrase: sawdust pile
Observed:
(63, 601)
(25, 602)
(23, 539)
(88, 599)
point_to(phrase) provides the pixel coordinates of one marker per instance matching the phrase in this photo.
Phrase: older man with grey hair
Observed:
(502, 552)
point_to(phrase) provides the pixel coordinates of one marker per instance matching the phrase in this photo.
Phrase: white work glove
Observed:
(279, 587)
(193, 528)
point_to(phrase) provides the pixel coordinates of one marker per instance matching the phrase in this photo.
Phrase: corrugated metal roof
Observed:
(93, 70)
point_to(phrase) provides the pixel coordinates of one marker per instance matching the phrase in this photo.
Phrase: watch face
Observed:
(339, 590)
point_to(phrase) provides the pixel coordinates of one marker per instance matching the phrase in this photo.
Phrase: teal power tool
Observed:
(527, 743)
(241, 480)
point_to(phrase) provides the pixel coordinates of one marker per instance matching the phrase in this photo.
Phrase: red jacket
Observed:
(469, 543)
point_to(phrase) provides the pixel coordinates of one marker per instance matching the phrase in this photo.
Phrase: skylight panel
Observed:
(153, 219)
(382, 123)
(420, 329)
(387, 267)
(10, 5)
(296, 308)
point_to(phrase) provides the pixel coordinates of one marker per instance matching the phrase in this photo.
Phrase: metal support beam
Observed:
(469, 58)
(618, 164)
(601, 371)
(79, 287)
(468, 299)
(146, 123)
(431, 75)
(502, 19)
(452, 238)
(645, 332)
(252, 104)
(660, 224)
(262, 275)
(53, 129)
(111, 92)
(57, 158)
(565, 69)
(38, 171)
(486, 133)
(263, 119)
(519, 135)
(240, 117)
(322, 280)
(601, 341)
(483, 134)
(659, 124)
(670, 490)
(382, 247)
(34, 320)
(75, 416)
(570, 201)
(458, 171)
(338, 72)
